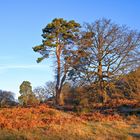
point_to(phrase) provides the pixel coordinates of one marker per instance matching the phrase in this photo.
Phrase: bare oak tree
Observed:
(106, 51)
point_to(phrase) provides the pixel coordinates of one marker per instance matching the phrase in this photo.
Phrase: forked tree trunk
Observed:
(59, 98)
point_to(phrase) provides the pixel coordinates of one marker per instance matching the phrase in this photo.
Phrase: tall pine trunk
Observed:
(58, 92)
(58, 99)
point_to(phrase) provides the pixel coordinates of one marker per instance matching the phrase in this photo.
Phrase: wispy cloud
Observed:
(7, 67)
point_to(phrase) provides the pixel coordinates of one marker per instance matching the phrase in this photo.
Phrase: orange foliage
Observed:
(96, 116)
(118, 102)
(33, 117)
(43, 116)
(109, 111)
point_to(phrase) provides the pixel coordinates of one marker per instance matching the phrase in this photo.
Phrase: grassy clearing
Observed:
(89, 131)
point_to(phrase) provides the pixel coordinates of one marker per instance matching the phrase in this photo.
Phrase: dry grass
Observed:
(45, 123)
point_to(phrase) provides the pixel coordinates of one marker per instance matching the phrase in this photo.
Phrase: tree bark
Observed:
(100, 81)
(57, 99)
(102, 91)
(59, 82)
(58, 75)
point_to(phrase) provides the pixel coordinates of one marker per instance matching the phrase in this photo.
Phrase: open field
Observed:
(45, 123)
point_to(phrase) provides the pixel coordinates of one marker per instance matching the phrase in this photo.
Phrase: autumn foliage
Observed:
(43, 115)
(33, 117)
(32, 123)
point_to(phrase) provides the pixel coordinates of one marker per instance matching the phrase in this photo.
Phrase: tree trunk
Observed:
(58, 99)
(101, 83)
(104, 96)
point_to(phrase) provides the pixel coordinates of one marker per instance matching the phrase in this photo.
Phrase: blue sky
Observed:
(21, 23)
